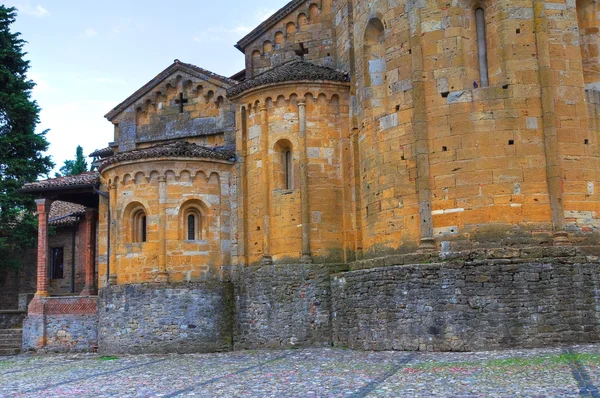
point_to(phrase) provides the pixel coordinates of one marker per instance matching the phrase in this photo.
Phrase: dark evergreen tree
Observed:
(21, 157)
(73, 167)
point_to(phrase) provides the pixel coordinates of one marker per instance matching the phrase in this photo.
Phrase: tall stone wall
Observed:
(477, 304)
(282, 306)
(161, 318)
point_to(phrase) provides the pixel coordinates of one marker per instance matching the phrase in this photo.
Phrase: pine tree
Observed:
(73, 167)
(21, 158)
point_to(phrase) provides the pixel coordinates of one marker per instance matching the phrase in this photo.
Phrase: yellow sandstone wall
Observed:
(307, 29)
(442, 157)
(273, 115)
(165, 188)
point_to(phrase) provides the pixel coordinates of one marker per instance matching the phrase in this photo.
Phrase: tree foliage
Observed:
(21, 157)
(76, 166)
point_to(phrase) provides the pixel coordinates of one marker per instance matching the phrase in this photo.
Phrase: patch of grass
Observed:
(107, 358)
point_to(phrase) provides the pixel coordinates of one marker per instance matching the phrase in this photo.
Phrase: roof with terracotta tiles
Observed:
(177, 65)
(175, 149)
(102, 153)
(64, 213)
(86, 179)
(291, 71)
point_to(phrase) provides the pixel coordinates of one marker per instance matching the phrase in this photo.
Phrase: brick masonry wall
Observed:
(64, 238)
(468, 305)
(282, 306)
(61, 324)
(155, 318)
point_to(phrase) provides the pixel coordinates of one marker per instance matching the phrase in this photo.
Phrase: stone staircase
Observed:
(10, 341)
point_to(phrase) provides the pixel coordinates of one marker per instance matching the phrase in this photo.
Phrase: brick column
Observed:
(43, 208)
(266, 189)
(90, 246)
(306, 257)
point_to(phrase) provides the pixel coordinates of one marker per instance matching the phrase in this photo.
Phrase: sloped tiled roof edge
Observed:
(102, 153)
(268, 23)
(65, 213)
(295, 70)
(87, 179)
(176, 149)
(175, 66)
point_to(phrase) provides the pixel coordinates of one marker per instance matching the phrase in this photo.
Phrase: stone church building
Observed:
(385, 174)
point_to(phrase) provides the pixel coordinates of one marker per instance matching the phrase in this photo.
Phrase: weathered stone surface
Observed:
(282, 306)
(163, 318)
(440, 307)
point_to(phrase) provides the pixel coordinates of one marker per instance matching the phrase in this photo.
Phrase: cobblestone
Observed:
(550, 372)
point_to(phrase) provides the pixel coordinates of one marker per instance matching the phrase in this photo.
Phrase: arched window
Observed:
(193, 223)
(482, 47)
(138, 233)
(283, 166)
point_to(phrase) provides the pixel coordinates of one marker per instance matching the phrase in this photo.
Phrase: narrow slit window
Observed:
(143, 229)
(191, 227)
(482, 47)
(288, 170)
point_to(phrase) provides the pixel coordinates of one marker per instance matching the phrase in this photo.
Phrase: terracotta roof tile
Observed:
(64, 213)
(102, 153)
(175, 149)
(84, 179)
(291, 71)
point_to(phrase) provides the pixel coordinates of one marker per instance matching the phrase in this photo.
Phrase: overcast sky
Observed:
(88, 56)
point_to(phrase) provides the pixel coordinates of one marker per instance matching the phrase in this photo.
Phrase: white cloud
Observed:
(89, 32)
(32, 10)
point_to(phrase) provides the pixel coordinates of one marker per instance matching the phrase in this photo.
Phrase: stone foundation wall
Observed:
(471, 305)
(283, 305)
(61, 324)
(162, 318)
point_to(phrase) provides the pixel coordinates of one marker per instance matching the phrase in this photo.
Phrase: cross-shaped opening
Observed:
(181, 101)
(301, 51)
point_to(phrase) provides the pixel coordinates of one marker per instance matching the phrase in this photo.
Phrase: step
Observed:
(11, 336)
(9, 351)
(10, 343)
(4, 332)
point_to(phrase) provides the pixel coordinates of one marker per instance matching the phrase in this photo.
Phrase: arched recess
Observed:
(279, 40)
(375, 67)
(283, 165)
(193, 220)
(588, 20)
(134, 221)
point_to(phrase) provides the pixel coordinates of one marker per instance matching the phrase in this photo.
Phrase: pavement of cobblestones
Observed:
(548, 372)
